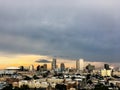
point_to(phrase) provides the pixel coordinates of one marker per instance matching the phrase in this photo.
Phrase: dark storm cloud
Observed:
(42, 61)
(87, 29)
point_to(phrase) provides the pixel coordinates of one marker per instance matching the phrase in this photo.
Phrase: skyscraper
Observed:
(62, 67)
(45, 67)
(31, 68)
(106, 66)
(80, 65)
(77, 65)
(53, 64)
(38, 68)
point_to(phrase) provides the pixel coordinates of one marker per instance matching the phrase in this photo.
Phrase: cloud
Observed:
(79, 29)
(42, 61)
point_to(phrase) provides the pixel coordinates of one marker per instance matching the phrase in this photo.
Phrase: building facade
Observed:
(62, 67)
(53, 64)
(105, 72)
(77, 65)
(80, 65)
(45, 67)
(31, 68)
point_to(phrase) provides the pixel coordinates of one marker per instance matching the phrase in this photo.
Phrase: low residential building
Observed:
(105, 72)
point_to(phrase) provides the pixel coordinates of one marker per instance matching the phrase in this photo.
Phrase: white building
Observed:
(31, 68)
(80, 64)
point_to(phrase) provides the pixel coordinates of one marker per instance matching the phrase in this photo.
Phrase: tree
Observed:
(89, 82)
(21, 68)
(27, 78)
(88, 76)
(60, 87)
(90, 68)
(9, 87)
(24, 87)
(35, 77)
(101, 87)
(16, 88)
(73, 78)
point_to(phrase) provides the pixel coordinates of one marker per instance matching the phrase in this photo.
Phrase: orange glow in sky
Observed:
(27, 60)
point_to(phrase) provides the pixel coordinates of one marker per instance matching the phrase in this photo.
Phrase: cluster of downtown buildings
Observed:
(83, 77)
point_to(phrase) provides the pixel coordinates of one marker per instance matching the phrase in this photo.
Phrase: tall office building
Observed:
(38, 68)
(80, 65)
(31, 68)
(77, 65)
(45, 67)
(53, 64)
(106, 66)
(62, 67)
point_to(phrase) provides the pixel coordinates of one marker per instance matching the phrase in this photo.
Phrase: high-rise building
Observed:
(77, 65)
(80, 64)
(53, 64)
(106, 66)
(22, 68)
(31, 68)
(45, 67)
(38, 68)
(62, 67)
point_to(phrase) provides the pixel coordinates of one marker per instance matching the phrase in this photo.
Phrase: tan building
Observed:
(80, 64)
(117, 73)
(105, 72)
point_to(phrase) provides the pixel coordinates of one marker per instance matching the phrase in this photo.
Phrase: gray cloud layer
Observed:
(42, 61)
(69, 29)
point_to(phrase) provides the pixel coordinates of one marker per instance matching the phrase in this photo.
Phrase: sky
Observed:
(68, 29)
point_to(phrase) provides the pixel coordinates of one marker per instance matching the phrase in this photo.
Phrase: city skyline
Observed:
(65, 29)
(27, 60)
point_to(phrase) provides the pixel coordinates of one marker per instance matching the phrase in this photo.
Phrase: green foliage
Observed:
(24, 87)
(90, 82)
(101, 87)
(35, 77)
(27, 78)
(9, 87)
